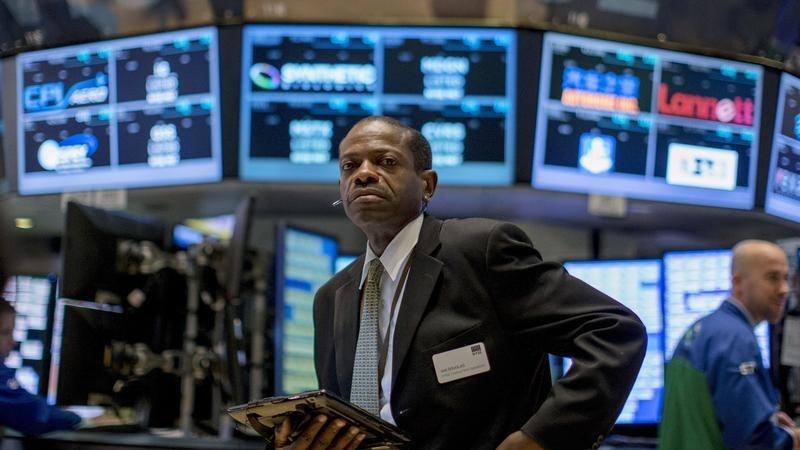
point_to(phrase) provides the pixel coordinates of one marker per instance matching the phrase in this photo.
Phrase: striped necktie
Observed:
(364, 387)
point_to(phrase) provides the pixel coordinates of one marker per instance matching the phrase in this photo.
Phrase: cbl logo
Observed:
(265, 76)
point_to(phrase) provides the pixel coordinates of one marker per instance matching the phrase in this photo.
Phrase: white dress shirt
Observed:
(393, 259)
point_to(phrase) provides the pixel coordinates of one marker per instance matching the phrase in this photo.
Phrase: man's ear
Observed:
(431, 178)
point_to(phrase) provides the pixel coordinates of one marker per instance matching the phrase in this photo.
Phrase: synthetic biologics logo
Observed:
(314, 77)
(265, 76)
(72, 154)
(737, 110)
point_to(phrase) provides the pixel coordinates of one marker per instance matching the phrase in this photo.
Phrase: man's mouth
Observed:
(366, 194)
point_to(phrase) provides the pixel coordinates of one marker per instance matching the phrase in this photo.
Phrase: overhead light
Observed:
(24, 223)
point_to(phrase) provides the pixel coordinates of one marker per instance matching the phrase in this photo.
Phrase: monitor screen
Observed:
(647, 123)
(637, 285)
(134, 112)
(81, 332)
(343, 261)
(695, 283)
(783, 185)
(304, 261)
(32, 298)
(92, 260)
(304, 87)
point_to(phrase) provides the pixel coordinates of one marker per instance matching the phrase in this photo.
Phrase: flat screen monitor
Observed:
(32, 297)
(90, 250)
(134, 112)
(305, 86)
(695, 283)
(343, 261)
(637, 285)
(641, 122)
(81, 333)
(304, 261)
(783, 185)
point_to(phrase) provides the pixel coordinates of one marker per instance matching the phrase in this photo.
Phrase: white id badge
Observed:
(461, 363)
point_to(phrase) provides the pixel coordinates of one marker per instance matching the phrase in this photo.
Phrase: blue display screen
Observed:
(305, 261)
(31, 297)
(132, 112)
(783, 185)
(637, 285)
(641, 122)
(695, 283)
(304, 87)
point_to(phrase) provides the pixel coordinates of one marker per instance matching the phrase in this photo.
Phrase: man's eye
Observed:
(346, 166)
(389, 162)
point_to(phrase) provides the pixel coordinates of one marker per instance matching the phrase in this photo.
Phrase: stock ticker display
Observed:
(637, 285)
(304, 87)
(783, 185)
(31, 297)
(132, 112)
(695, 283)
(641, 122)
(305, 261)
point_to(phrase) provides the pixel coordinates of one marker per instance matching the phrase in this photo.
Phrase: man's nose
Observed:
(366, 173)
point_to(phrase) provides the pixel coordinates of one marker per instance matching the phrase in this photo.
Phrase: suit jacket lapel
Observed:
(345, 331)
(422, 278)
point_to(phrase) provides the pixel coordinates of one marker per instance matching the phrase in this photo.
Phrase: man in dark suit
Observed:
(469, 312)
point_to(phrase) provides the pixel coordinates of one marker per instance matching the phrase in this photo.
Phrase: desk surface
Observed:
(96, 440)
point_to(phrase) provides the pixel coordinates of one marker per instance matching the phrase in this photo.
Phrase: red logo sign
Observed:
(737, 110)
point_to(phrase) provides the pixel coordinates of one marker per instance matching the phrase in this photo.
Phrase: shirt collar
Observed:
(396, 252)
(743, 310)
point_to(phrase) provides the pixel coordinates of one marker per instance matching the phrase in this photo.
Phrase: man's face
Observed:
(765, 286)
(377, 182)
(6, 334)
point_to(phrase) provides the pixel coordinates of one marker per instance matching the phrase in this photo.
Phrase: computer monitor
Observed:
(82, 331)
(642, 122)
(32, 298)
(343, 261)
(637, 285)
(195, 230)
(305, 86)
(133, 112)
(695, 283)
(235, 256)
(90, 251)
(304, 261)
(783, 185)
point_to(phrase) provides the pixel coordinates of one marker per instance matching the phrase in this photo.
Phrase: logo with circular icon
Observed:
(265, 76)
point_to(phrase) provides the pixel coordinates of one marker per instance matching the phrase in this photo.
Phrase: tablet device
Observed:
(263, 415)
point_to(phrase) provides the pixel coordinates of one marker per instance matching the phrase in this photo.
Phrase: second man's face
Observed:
(378, 183)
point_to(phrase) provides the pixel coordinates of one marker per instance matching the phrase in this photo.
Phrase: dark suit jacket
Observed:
(480, 280)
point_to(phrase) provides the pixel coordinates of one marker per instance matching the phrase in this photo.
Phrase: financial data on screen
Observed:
(637, 285)
(304, 87)
(648, 123)
(305, 261)
(133, 112)
(695, 283)
(31, 297)
(783, 185)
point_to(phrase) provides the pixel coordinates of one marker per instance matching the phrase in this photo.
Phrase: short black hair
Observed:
(412, 139)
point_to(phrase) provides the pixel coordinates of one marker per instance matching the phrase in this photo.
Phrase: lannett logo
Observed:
(737, 110)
